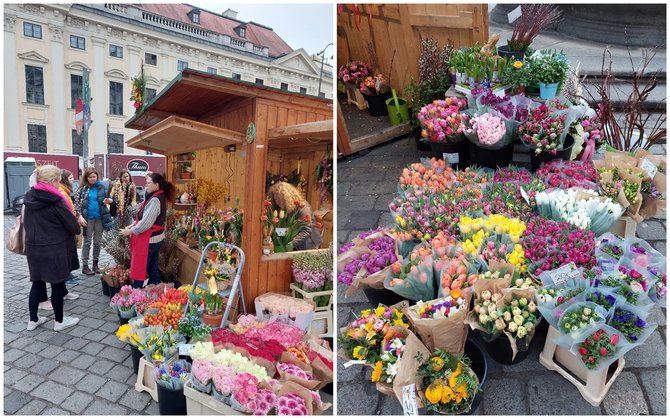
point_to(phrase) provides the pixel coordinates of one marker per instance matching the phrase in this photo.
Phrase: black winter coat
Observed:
(50, 227)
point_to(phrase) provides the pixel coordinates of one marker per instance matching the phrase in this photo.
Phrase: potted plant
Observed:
(550, 69)
(534, 19)
(213, 313)
(185, 170)
(518, 76)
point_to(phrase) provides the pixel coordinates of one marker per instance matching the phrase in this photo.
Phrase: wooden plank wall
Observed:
(385, 28)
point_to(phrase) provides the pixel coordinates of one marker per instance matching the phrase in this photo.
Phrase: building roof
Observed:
(258, 34)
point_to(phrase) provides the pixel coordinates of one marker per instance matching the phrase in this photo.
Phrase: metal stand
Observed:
(235, 287)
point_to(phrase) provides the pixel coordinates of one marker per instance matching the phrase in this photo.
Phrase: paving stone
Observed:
(28, 383)
(361, 189)
(34, 407)
(78, 331)
(67, 375)
(112, 340)
(85, 302)
(52, 392)
(647, 355)
(386, 219)
(45, 334)
(356, 203)
(357, 395)
(365, 173)
(565, 398)
(92, 348)
(59, 339)
(112, 391)
(84, 361)
(654, 384)
(390, 406)
(135, 400)
(657, 315)
(103, 407)
(67, 356)
(76, 343)
(36, 347)
(625, 397)
(385, 188)
(362, 219)
(651, 230)
(504, 397)
(152, 409)
(356, 297)
(15, 400)
(114, 354)
(659, 246)
(12, 376)
(348, 374)
(382, 202)
(54, 411)
(102, 366)
(27, 361)
(97, 335)
(90, 383)
(44, 367)
(13, 354)
(9, 337)
(120, 373)
(22, 342)
(109, 327)
(92, 322)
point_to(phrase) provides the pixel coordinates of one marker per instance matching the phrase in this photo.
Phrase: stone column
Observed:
(60, 97)
(13, 98)
(134, 62)
(97, 134)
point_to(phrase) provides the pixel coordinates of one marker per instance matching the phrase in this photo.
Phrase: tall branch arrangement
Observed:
(534, 19)
(636, 129)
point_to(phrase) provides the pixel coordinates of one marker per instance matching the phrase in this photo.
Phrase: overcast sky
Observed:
(307, 26)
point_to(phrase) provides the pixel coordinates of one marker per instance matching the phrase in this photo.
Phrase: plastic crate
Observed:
(592, 386)
(198, 403)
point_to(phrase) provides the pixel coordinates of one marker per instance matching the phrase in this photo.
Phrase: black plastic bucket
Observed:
(537, 159)
(136, 355)
(377, 104)
(455, 153)
(494, 158)
(105, 287)
(500, 350)
(383, 296)
(171, 402)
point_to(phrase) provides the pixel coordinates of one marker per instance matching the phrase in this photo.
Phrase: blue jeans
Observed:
(152, 263)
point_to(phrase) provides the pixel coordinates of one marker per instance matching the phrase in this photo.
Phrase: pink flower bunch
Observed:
(202, 371)
(454, 275)
(634, 278)
(441, 120)
(245, 388)
(507, 199)
(433, 178)
(277, 304)
(293, 370)
(126, 298)
(543, 130)
(549, 244)
(490, 129)
(354, 72)
(291, 404)
(512, 173)
(284, 334)
(495, 251)
(224, 379)
(567, 174)
(263, 402)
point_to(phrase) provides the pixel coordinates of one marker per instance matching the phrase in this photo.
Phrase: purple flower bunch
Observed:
(550, 244)
(628, 323)
(293, 370)
(600, 298)
(313, 270)
(263, 402)
(381, 254)
(488, 98)
(291, 404)
(512, 173)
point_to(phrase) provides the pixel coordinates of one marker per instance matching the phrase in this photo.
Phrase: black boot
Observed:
(87, 271)
(96, 270)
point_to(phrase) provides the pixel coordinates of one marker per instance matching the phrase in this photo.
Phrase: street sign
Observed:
(86, 100)
(79, 116)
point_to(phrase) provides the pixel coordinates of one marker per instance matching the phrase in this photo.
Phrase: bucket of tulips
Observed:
(442, 125)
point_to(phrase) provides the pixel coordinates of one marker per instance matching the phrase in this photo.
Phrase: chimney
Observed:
(230, 13)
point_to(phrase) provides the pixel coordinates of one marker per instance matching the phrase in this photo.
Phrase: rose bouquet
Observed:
(441, 120)
(412, 278)
(567, 174)
(631, 322)
(269, 350)
(287, 309)
(487, 131)
(543, 130)
(374, 85)
(284, 334)
(353, 72)
(448, 384)
(228, 358)
(201, 375)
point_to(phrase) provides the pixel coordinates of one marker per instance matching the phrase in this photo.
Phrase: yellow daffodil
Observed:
(380, 311)
(365, 313)
(397, 313)
(399, 322)
(360, 352)
(377, 372)
(434, 392)
(518, 65)
(461, 393)
(368, 327)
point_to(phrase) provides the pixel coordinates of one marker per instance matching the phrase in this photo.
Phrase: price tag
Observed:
(281, 231)
(514, 15)
(564, 273)
(353, 363)
(524, 195)
(409, 400)
(450, 157)
(184, 349)
(649, 167)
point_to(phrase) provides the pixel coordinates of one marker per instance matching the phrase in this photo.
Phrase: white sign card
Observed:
(564, 273)
(409, 400)
(514, 15)
(649, 167)
(450, 157)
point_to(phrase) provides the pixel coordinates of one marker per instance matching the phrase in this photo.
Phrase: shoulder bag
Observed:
(17, 236)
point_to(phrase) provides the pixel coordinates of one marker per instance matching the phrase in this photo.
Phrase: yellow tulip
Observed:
(379, 311)
(282, 214)
(377, 372)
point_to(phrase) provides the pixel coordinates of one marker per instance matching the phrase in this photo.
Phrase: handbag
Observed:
(17, 236)
(113, 209)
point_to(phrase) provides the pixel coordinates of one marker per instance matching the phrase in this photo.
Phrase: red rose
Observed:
(603, 351)
(583, 351)
(596, 336)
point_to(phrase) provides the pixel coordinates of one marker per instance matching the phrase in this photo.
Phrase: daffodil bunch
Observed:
(127, 334)
(159, 344)
(387, 367)
(494, 223)
(448, 383)
(362, 338)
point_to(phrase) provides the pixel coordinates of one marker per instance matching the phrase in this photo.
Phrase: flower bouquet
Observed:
(609, 250)
(631, 321)
(580, 315)
(567, 174)
(286, 309)
(193, 329)
(428, 175)
(124, 302)
(412, 278)
(597, 346)
(543, 130)
(440, 323)
(455, 274)
(513, 199)
(659, 289)
(640, 254)
(299, 373)
(487, 130)
(172, 376)
(158, 344)
(127, 333)
(288, 227)
(441, 120)
(353, 72)
(386, 369)
(448, 384)
(589, 136)
(224, 357)
(201, 375)
(116, 276)
(552, 299)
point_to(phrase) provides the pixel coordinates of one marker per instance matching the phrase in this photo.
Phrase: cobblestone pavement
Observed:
(366, 184)
(84, 370)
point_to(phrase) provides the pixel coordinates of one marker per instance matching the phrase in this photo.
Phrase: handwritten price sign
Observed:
(565, 273)
(409, 400)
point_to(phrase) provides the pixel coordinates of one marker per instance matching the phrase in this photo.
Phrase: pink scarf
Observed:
(40, 185)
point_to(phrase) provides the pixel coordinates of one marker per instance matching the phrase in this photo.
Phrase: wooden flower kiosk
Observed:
(239, 132)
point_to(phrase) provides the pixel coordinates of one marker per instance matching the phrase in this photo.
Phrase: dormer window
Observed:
(241, 31)
(194, 15)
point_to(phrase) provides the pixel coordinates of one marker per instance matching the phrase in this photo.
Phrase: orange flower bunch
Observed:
(432, 178)
(168, 315)
(455, 275)
(469, 177)
(299, 354)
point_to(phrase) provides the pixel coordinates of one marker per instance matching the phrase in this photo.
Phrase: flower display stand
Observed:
(593, 386)
(322, 321)
(145, 377)
(198, 403)
(624, 227)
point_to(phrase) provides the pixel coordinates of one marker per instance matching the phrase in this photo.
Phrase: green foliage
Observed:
(191, 327)
(550, 67)
(518, 75)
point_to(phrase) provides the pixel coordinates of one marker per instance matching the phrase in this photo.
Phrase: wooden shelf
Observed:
(186, 179)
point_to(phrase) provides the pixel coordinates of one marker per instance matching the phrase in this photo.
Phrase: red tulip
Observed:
(582, 351)
(592, 360)
(596, 336)
(603, 351)
(614, 338)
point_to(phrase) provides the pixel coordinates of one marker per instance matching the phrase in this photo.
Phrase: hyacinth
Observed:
(441, 120)
(568, 174)
(313, 270)
(542, 130)
(490, 129)
(382, 254)
(291, 404)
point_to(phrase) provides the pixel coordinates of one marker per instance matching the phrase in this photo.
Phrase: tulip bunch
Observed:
(489, 129)
(542, 130)
(512, 173)
(381, 253)
(403, 270)
(432, 176)
(441, 120)
(454, 275)
(596, 347)
(495, 223)
(567, 174)
(507, 199)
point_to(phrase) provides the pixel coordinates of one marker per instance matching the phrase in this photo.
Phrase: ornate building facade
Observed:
(48, 46)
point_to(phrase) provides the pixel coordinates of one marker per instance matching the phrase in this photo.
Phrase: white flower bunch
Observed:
(236, 361)
(593, 213)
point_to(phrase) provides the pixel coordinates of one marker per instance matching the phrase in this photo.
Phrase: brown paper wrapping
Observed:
(304, 393)
(322, 373)
(408, 366)
(448, 334)
(652, 206)
(287, 357)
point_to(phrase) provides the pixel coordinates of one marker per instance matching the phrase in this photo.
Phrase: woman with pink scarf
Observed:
(49, 223)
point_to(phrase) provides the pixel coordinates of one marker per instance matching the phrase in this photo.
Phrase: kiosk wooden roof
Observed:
(198, 111)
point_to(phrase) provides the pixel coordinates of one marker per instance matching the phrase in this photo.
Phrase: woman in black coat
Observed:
(49, 223)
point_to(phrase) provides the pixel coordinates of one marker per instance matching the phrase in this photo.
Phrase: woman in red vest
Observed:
(147, 232)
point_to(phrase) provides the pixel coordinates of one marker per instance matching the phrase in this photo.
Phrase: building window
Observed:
(322, 94)
(303, 90)
(181, 65)
(150, 59)
(259, 81)
(211, 70)
(149, 94)
(34, 85)
(284, 86)
(236, 76)
(77, 42)
(115, 51)
(115, 143)
(32, 30)
(76, 88)
(243, 33)
(194, 15)
(115, 98)
(37, 138)
(77, 143)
